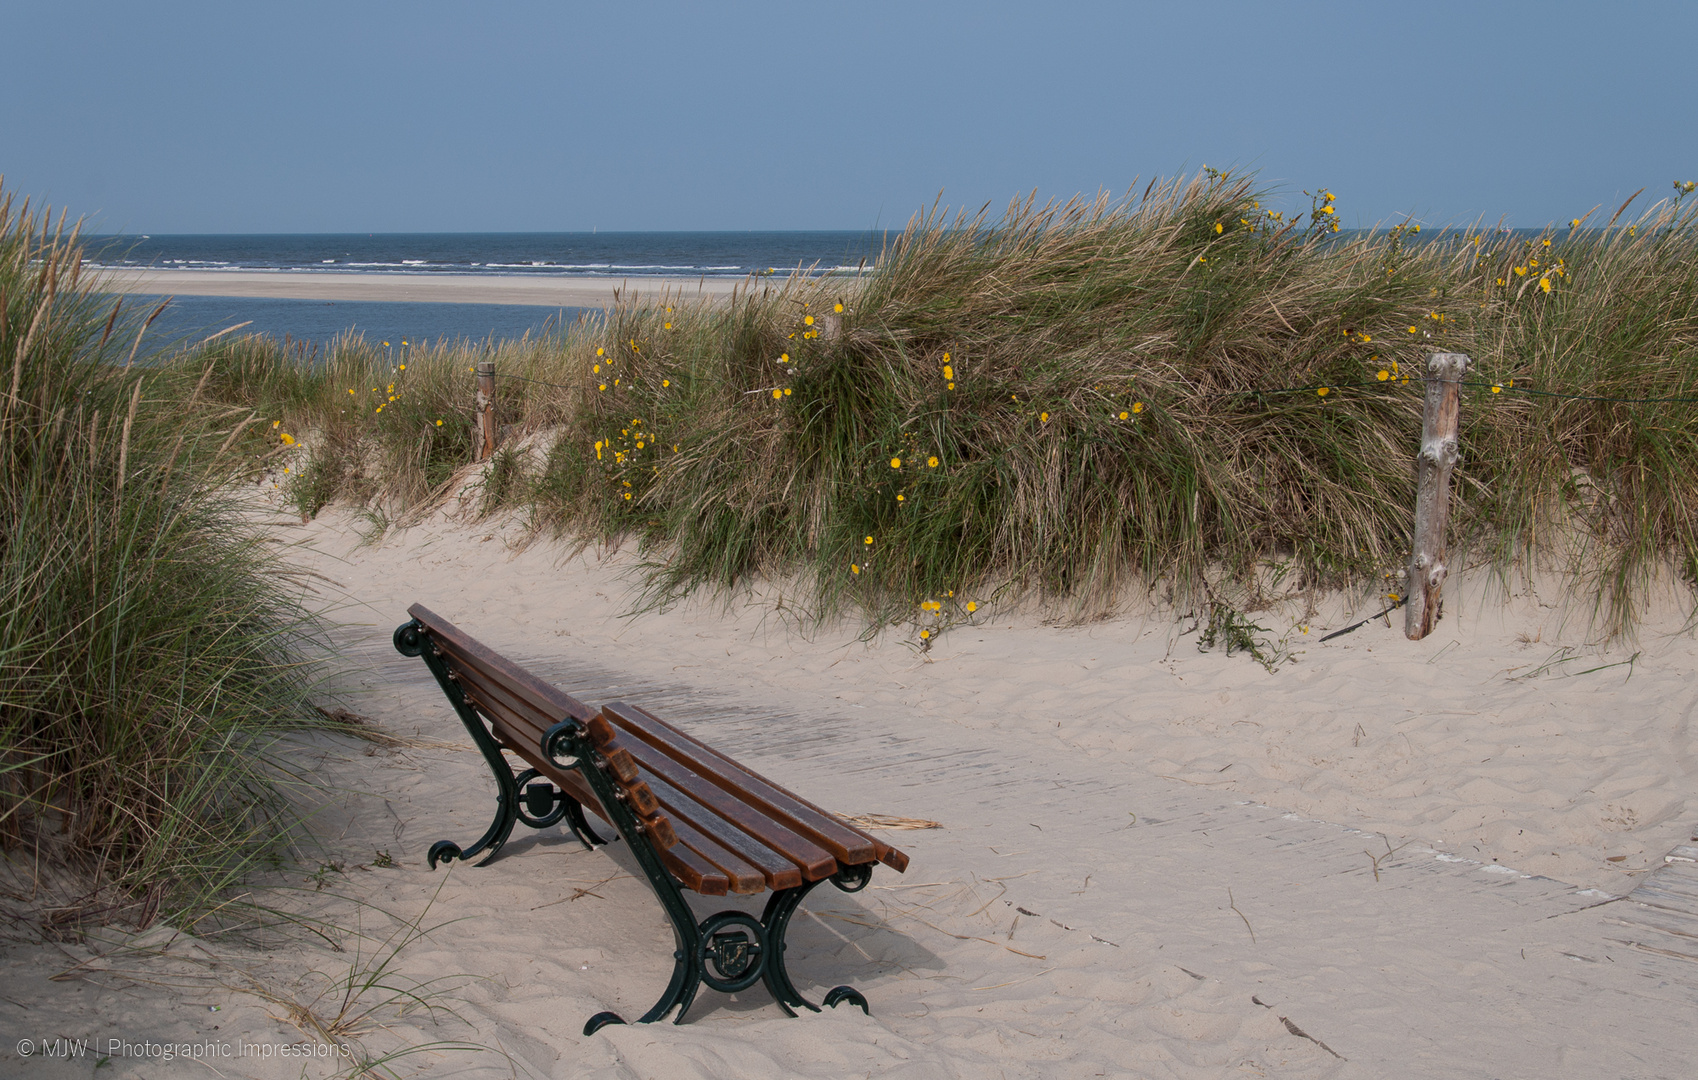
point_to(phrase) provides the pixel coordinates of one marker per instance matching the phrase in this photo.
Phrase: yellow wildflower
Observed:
(1323, 391)
(1219, 228)
(1043, 418)
(854, 568)
(838, 307)
(439, 423)
(948, 372)
(1137, 406)
(901, 498)
(777, 394)
(1124, 414)
(1545, 284)
(931, 462)
(1382, 375)
(288, 439)
(275, 424)
(972, 606)
(665, 383)
(895, 463)
(807, 320)
(868, 540)
(924, 634)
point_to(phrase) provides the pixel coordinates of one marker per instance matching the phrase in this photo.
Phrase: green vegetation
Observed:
(1180, 392)
(1072, 402)
(148, 651)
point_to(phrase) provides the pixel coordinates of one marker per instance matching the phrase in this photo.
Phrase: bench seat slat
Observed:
(783, 851)
(777, 871)
(741, 877)
(692, 870)
(846, 844)
(695, 751)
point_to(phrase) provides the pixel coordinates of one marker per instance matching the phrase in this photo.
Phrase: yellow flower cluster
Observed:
(933, 619)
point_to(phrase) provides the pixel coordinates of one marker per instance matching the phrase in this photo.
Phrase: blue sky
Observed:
(382, 117)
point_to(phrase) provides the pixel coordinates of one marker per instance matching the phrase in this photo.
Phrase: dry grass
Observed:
(1098, 384)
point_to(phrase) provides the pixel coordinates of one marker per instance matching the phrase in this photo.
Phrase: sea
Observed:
(684, 255)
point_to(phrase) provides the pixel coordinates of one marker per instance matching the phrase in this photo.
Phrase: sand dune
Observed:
(1386, 859)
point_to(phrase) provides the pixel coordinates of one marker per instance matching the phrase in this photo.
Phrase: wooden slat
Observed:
(741, 877)
(549, 700)
(778, 871)
(689, 796)
(692, 871)
(846, 844)
(529, 723)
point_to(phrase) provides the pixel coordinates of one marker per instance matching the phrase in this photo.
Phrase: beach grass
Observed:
(150, 651)
(1179, 391)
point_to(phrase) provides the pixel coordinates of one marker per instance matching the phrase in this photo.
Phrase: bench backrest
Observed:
(717, 826)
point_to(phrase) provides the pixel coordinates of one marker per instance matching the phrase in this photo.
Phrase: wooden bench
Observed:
(693, 818)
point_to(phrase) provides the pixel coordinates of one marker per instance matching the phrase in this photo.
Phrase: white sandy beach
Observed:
(1152, 862)
(422, 288)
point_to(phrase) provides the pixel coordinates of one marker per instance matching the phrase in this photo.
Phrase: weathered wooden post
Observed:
(486, 409)
(1440, 451)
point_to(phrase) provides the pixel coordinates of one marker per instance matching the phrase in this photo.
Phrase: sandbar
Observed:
(423, 288)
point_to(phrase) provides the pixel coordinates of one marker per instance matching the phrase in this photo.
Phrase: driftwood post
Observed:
(1440, 451)
(486, 409)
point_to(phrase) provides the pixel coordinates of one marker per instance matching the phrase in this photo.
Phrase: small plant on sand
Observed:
(1225, 627)
(345, 1008)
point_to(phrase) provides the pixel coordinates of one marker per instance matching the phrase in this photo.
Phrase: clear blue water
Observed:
(662, 254)
(574, 255)
(190, 319)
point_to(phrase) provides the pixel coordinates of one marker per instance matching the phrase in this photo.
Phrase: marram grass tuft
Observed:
(1077, 401)
(148, 651)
